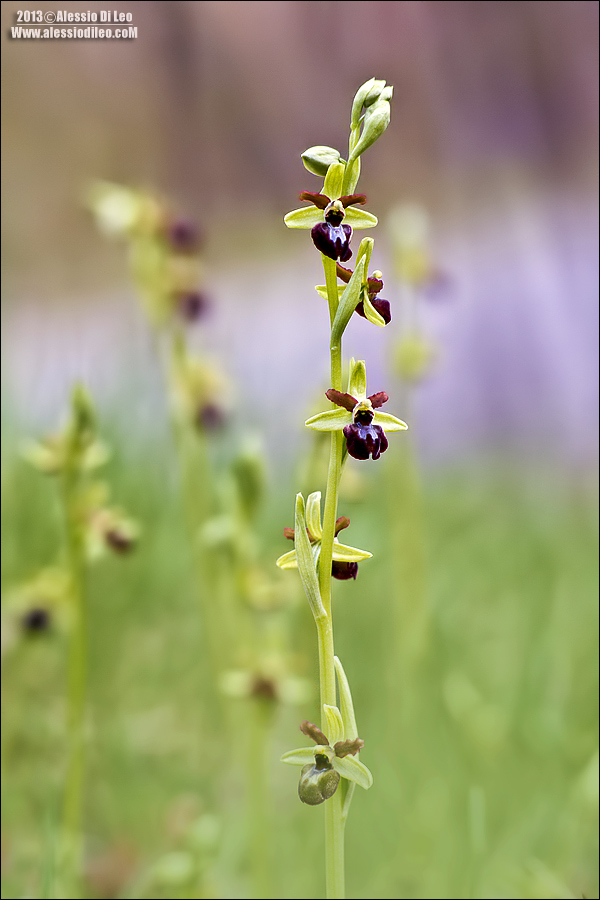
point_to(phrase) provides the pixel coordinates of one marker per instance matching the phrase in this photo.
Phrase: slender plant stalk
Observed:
(334, 822)
(77, 676)
(332, 768)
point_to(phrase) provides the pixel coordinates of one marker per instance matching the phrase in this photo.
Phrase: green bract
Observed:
(348, 301)
(305, 561)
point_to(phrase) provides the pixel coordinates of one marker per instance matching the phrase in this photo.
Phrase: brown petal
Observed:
(289, 534)
(318, 200)
(348, 748)
(341, 523)
(374, 286)
(314, 733)
(340, 399)
(343, 273)
(351, 199)
(379, 399)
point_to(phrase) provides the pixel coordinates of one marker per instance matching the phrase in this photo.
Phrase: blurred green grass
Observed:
(483, 760)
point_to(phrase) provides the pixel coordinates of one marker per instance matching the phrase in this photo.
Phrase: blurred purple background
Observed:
(494, 130)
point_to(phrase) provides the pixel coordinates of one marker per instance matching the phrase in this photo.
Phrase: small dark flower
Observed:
(325, 219)
(265, 688)
(184, 236)
(119, 539)
(331, 237)
(36, 620)
(210, 417)
(374, 286)
(192, 305)
(363, 427)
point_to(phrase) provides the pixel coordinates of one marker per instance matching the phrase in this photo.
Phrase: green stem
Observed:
(334, 820)
(71, 849)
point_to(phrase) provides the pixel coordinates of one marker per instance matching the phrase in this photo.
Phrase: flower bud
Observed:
(318, 782)
(359, 101)
(376, 120)
(318, 159)
(375, 93)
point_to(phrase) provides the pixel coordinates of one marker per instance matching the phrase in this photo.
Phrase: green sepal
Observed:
(348, 301)
(306, 561)
(388, 422)
(307, 217)
(335, 726)
(343, 553)
(299, 757)
(331, 420)
(321, 290)
(357, 384)
(354, 770)
(289, 560)
(371, 313)
(359, 218)
(346, 704)
(334, 181)
(313, 515)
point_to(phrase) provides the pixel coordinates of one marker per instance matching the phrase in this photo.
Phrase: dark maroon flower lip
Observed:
(36, 620)
(118, 540)
(184, 236)
(192, 305)
(364, 441)
(344, 571)
(333, 241)
(211, 417)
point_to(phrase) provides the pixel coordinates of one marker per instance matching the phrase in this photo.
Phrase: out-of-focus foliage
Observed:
(484, 762)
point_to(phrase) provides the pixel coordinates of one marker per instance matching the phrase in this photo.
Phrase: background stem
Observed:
(71, 849)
